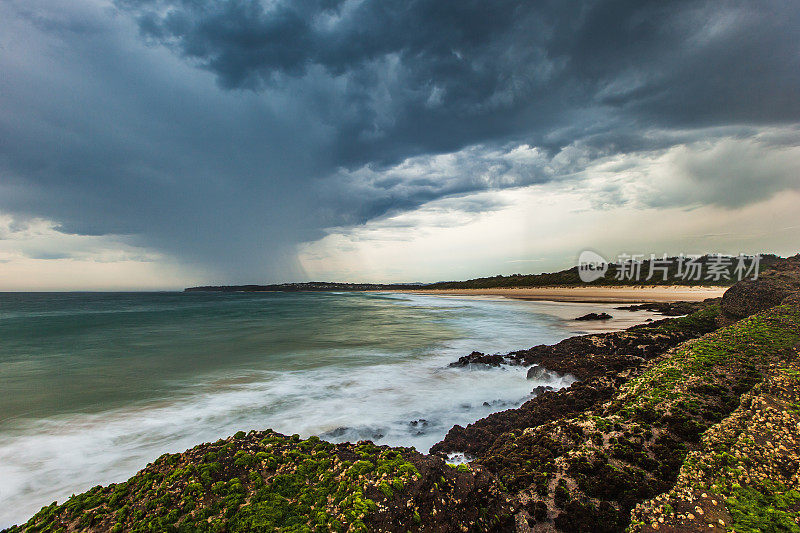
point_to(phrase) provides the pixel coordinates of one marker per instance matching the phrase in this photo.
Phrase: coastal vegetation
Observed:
(613, 277)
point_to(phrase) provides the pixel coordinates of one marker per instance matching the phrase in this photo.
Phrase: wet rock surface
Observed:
(746, 473)
(582, 458)
(587, 356)
(602, 362)
(589, 470)
(265, 481)
(670, 308)
(478, 437)
(752, 296)
(595, 316)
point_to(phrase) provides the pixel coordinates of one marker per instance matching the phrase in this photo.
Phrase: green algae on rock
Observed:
(265, 481)
(603, 362)
(589, 471)
(746, 474)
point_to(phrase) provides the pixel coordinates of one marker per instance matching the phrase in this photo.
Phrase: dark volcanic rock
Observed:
(625, 455)
(479, 436)
(670, 308)
(479, 358)
(582, 457)
(590, 469)
(595, 316)
(602, 362)
(587, 356)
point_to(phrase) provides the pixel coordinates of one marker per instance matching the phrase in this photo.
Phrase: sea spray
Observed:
(113, 381)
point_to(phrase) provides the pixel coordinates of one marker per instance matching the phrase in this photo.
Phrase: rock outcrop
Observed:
(265, 481)
(670, 308)
(602, 363)
(587, 471)
(750, 296)
(746, 470)
(595, 316)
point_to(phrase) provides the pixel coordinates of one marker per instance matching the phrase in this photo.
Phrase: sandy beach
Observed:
(591, 294)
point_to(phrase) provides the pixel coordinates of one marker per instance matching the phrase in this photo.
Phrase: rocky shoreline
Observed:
(680, 424)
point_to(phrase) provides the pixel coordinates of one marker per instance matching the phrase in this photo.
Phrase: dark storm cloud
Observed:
(103, 136)
(112, 122)
(433, 75)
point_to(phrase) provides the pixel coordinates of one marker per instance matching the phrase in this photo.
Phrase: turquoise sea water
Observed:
(95, 385)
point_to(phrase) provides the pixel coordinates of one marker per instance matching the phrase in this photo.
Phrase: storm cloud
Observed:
(226, 132)
(434, 75)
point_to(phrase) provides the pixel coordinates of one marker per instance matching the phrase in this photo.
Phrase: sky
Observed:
(156, 144)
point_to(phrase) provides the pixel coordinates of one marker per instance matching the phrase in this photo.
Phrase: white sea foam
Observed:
(411, 404)
(409, 400)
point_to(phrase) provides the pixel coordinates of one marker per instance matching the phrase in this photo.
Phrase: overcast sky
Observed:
(164, 143)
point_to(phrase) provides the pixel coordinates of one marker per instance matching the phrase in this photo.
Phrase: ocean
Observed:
(96, 385)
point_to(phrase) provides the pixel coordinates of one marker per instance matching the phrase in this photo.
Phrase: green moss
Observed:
(386, 489)
(739, 347)
(703, 320)
(242, 458)
(231, 488)
(768, 507)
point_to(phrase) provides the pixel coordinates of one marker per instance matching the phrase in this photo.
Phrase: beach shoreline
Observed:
(588, 294)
